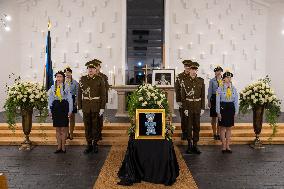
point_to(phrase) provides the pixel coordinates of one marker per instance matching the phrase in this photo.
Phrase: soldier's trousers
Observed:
(91, 122)
(193, 127)
(183, 120)
(101, 124)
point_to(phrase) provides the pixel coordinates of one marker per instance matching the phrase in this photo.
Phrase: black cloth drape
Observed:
(151, 161)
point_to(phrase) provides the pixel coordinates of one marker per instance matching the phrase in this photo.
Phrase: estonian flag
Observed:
(48, 65)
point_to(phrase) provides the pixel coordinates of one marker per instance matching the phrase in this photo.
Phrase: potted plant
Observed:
(260, 98)
(148, 96)
(23, 98)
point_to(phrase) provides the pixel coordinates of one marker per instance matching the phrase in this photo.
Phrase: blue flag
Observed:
(48, 65)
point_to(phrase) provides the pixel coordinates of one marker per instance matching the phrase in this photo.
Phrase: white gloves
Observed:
(186, 113)
(81, 113)
(201, 112)
(101, 112)
(179, 104)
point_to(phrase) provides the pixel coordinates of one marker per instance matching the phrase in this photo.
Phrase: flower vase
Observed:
(258, 111)
(27, 127)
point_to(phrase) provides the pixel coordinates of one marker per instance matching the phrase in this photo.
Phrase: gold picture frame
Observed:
(160, 122)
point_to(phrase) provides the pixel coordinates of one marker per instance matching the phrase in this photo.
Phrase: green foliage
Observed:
(261, 94)
(148, 97)
(24, 95)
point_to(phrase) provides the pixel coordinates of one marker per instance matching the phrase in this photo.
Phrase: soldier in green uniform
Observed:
(105, 78)
(190, 91)
(92, 100)
(183, 118)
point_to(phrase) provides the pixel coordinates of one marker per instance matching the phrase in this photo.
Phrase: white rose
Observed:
(32, 100)
(155, 98)
(24, 99)
(140, 99)
(252, 97)
(153, 94)
(159, 103)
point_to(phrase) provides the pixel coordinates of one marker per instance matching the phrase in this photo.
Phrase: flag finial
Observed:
(48, 25)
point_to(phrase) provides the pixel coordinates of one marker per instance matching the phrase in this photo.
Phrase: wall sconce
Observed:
(4, 19)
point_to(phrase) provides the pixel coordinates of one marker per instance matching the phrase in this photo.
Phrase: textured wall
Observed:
(230, 33)
(275, 46)
(81, 30)
(9, 51)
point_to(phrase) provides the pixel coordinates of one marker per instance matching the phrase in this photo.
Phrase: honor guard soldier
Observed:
(92, 100)
(105, 78)
(191, 97)
(214, 83)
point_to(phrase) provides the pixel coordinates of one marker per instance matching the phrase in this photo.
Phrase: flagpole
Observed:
(44, 70)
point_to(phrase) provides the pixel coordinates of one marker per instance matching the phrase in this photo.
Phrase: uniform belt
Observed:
(193, 100)
(89, 98)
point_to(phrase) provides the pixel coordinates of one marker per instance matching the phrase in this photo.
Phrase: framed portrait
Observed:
(150, 124)
(163, 77)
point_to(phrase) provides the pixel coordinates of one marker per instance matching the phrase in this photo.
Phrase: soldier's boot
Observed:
(95, 147)
(189, 147)
(195, 149)
(89, 148)
(183, 136)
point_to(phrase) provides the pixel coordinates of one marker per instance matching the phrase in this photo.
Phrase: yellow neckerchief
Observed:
(58, 93)
(220, 82)
(69, 81)
(229, 92)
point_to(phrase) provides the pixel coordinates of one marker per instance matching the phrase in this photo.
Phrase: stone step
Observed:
(124, 140)
(119, 133)
(124, 126)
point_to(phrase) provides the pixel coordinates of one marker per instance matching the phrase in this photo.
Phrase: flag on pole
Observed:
(48, 61)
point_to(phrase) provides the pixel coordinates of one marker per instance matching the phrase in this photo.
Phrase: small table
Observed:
(149, 160)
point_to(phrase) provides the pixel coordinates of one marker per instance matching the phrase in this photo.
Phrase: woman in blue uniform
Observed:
(211, 97)
(60, 107)
(227, 108)
(73, 85)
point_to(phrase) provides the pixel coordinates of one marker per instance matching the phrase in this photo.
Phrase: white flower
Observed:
(32, 100)
(159, 103)
(153, 94)
(252, 97)
(24, 99)
(144, 103)
(140, 99)
(155, 98)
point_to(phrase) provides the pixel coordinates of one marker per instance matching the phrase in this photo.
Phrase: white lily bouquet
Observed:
(148, 96)
(260, 93)
(25, 96)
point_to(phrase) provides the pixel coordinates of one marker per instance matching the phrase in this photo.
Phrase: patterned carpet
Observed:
(108, 175)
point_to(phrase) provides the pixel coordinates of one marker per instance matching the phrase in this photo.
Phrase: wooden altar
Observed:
(122, 91)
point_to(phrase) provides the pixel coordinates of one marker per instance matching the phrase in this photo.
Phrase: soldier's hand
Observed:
(179, 104)
(186, 112)
(69, 115)
(209, 104)
(201, 112)
(101, 112)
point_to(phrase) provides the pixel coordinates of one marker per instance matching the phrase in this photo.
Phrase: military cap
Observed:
(67, 69)
(218, 68)
(59, 72)
(92, 64)
(227, 74)
(186, 62)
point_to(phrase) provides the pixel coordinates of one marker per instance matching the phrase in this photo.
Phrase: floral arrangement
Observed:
(25, 96)
(148, 96)
(260, 93)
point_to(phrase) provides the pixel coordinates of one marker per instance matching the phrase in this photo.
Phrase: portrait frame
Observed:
(169, 75)
(161, 124)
